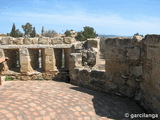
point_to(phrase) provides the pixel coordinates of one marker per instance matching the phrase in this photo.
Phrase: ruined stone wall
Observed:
(36, 40)
(150, 85)
(83, 68)
(35, 58)
(131, 69)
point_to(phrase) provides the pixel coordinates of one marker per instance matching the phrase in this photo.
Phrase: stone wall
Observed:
(36, 40)
(150, 85)
(34, 58)
(132, 65)
(131, 68)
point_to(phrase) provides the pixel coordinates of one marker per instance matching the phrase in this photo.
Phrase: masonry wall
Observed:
(150, 85)
(27, 53)
(132, 69)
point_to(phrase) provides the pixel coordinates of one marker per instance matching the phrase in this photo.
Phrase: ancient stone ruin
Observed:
(123, 66)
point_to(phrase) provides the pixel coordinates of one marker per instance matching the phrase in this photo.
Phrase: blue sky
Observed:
(117, 17)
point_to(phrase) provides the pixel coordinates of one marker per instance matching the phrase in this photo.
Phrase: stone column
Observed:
(58, 57)
(4, 65)
(34, 55)
(49, 60)
(25, 61)
(67, 57)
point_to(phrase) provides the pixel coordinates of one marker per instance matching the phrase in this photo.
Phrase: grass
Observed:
(8, 78)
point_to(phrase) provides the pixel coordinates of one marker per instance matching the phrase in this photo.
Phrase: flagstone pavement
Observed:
(51, 100)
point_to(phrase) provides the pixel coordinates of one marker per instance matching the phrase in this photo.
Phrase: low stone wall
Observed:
(36, 40)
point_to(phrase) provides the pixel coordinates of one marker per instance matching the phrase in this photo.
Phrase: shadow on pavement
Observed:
(112, 106)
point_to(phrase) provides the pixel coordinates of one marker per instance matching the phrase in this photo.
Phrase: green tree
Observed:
(27, 29)
(50, 33)
(15, 32)
(33, 34)
(67, 33)
(42, 31)
(80, 36)
(18, 33)
(88, 32)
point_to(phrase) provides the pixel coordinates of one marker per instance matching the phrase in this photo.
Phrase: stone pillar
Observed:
(49, 60)
(34, 55)
(4, 66)
(67, 57)
(58, 56)
(25, 61)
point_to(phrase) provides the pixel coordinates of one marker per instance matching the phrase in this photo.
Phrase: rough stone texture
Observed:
(88, 58)
(58, 57)
(25, 61)
(49, 60)
(34, 56)
(36, 40)
(68, 40)
(57, 40)
(44, 40)
(150, 85)
(27, 41)
(132, 65)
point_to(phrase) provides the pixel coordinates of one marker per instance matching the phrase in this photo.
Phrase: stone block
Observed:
(44, 40)
(136, 71)
(133, 53)
(127, 91)
(18, 41)
(98, 75)
(34, 40)
(91, 42)
(68, 40)
(27, 41)
(49, 52)
(4, 41)
(57, 40)
(75, 60)
(152, 40)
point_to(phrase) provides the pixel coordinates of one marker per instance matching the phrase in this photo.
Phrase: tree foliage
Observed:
(88, 32)
(15, 32)
(67, 33)
(33, 34)
(50, 33)
(27, 29)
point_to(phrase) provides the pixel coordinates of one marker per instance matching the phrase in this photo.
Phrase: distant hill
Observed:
(100, 35)
(107, 35)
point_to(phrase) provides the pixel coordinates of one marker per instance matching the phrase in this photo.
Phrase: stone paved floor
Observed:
(50, 100)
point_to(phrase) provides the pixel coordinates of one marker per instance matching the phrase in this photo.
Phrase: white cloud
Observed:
(112, 24)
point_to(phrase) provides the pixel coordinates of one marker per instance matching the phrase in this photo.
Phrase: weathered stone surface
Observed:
(132, 65)
(56, 40)
(88, 58)
(75, 60)
(136, 70)
(133, 53)
(34, 40)
(18, 41)
(68, 40)
(127, 91)
(4, 41)
(27, 41)
(92, 42)
(44, 40)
